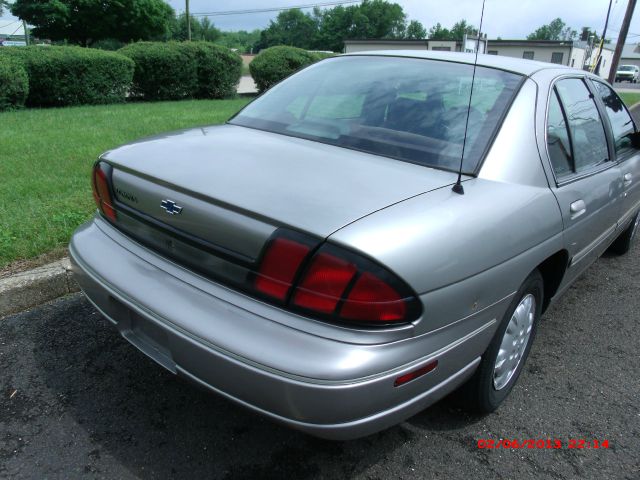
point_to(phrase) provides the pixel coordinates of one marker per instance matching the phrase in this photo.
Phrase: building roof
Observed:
(544, 43)
(398, 41)
(533, 43)
(517, 65)
(631, 51)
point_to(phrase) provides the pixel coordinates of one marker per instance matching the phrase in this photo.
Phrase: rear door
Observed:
(587, 179)
(628, 158)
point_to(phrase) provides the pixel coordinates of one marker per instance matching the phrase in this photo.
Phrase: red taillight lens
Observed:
(372, 299)
(324, 283)
(332, 283)
(102, 193)
(279, 266)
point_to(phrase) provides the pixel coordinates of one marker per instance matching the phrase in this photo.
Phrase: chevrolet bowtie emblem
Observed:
(170, 207)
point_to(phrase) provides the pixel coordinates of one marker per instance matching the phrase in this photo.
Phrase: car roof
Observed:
(517, 65)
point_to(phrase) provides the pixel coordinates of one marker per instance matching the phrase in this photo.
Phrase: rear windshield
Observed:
(405, 108)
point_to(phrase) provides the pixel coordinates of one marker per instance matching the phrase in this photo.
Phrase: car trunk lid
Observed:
(233, 186)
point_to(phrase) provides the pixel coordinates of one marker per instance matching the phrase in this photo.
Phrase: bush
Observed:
(172, 71)
(63, 76)
(14, 84)
(276, 63)
(163, 71)
(219, 70)
(111, 44)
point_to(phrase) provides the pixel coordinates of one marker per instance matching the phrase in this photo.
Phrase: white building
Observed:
(573, 54)
(630, 54)
(467, 45)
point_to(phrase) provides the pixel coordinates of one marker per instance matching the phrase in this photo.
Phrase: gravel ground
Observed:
(76, 400)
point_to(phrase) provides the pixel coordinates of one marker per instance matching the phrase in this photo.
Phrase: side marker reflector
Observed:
(407, 377)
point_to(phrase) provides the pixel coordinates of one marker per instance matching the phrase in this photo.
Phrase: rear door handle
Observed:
(628, 178)
(577, 208)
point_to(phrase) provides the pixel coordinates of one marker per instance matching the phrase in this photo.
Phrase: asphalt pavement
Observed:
(77, 401)
(626, 87)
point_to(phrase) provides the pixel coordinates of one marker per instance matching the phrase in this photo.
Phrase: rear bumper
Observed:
(199, 330)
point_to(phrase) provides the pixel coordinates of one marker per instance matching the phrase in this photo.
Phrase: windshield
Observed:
(405, 108)
(626, 68)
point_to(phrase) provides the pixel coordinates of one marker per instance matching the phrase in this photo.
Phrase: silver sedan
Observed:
(371, 234)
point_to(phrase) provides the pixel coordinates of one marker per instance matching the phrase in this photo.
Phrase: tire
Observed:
(624, 242)
(486, 391)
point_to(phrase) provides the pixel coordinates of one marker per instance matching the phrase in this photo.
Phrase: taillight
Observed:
(279, 266)
(333, 283)
(371, 298)
(323, 283)
(102, 191)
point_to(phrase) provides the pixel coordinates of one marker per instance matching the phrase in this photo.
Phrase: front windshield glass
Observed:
(626, 68)
(405, 108)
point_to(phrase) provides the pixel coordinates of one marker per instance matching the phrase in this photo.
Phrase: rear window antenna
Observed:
(457, 187)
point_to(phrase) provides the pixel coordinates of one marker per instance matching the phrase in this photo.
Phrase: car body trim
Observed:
(584, 253)
(629, 214)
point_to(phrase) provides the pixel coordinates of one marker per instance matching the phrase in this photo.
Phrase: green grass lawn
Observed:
(46, 158)
(629, 98)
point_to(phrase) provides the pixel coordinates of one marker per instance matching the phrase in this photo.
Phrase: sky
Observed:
(508, 19)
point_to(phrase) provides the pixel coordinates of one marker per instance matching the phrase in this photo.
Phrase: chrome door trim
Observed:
(584, 253)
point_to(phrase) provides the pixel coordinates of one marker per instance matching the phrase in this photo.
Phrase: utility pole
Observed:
(188, 22)
(595, 68)
(624, 29)
(26, 33)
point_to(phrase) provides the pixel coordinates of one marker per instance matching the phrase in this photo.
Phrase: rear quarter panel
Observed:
(465, 253)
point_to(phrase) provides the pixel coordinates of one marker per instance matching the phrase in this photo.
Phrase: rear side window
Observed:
(588, 140)
(558, 139)
(621, 122)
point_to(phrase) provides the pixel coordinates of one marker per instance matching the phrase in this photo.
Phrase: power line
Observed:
(273, 9)
(10, 23)
(14, 32)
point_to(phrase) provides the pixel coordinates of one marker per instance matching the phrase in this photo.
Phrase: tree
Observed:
(587, 32)
(291, 27)
(438, 32)
(3, 4)
(416, 31)
(208, 30)
(457, 32)
(556, 30)
(371, 19)
(379, 19)
(243, 41)
(462, 28)
(84, 22)
(201, 29)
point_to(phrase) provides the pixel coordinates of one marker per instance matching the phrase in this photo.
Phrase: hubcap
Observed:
(514, 342)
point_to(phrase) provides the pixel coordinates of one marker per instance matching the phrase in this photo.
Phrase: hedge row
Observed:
(277, 63)
(172, 70)
(62, 76)
(14, 84)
